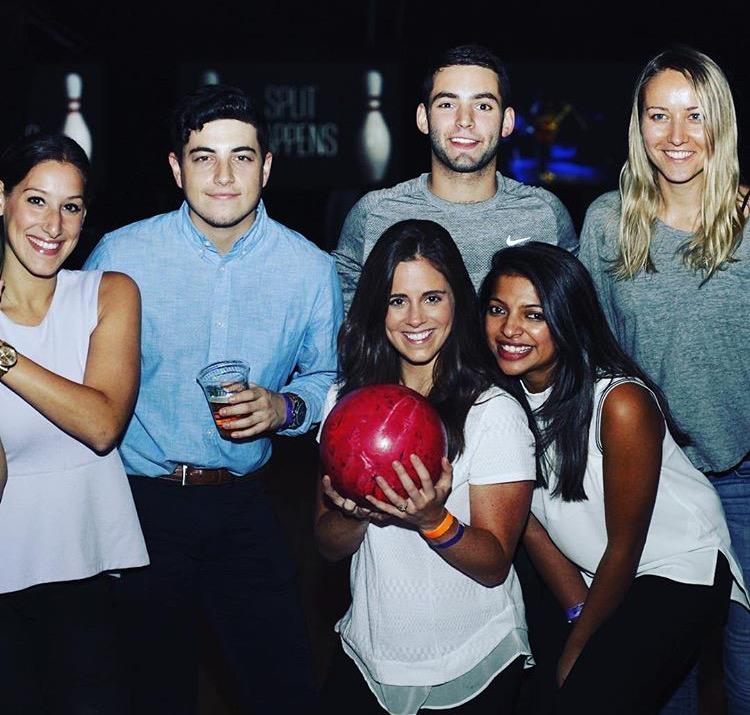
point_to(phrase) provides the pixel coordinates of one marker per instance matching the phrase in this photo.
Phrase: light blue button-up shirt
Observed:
(273, 300)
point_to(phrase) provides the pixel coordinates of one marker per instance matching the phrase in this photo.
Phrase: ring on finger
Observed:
(402, 508)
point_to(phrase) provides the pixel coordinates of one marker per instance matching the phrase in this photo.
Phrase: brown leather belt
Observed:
(188, 476)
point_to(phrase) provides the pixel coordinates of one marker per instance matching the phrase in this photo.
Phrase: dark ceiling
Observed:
(137, 32)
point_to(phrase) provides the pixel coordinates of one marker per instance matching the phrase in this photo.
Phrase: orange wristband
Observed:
(441, 528)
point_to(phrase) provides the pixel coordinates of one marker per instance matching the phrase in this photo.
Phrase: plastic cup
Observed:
(218, 381)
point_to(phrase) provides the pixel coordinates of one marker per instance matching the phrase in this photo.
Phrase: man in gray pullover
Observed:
(464, 111)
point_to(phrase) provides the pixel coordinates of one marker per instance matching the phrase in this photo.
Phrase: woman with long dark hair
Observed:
(669, 254)
(628, 534)
(436, 618)
(69, 357)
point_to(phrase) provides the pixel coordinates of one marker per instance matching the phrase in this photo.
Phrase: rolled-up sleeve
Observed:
(317, 364)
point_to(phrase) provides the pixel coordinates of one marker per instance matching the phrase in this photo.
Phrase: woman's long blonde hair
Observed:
(721, 217)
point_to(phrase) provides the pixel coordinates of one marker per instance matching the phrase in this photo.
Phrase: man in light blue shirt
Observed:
(219, 279)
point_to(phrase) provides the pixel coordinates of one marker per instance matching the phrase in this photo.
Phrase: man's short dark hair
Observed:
(212, 102)
(468, 55)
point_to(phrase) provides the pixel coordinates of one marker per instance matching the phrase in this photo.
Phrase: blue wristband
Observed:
(296, 410)
(289, 411)
(574, 612)
(453, 540)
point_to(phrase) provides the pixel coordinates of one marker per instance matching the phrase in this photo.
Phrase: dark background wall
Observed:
(136, 59)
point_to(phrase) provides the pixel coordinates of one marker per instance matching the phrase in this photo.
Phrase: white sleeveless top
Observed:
(67, 513)
(687, 530)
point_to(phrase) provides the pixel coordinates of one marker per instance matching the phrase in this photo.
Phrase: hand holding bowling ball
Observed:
(349, 507)
(372, 427)
(425, 506)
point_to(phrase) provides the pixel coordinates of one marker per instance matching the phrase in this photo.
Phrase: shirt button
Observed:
(221, 269)
(219, 324)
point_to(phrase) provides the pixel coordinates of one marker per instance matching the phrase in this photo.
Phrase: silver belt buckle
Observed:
(184, 474)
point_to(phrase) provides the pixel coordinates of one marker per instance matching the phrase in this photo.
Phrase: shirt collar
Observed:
(241, 246)
(536, 399)
(424, 181)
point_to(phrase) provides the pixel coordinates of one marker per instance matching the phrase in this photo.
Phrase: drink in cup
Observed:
(218, 381)
(216, 403)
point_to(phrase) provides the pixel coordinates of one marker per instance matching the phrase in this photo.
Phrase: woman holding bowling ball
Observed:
(436, 619)
(629, 535)
(69, 357)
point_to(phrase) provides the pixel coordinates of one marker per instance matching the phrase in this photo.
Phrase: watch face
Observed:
(8, 356)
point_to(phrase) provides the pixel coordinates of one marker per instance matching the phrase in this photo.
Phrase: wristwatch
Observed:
(8, 357)
(296, 411)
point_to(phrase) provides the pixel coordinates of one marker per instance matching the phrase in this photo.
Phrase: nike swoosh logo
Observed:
(515, 241)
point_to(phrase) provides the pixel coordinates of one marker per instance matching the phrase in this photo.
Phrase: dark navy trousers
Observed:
(58, 650)
(218, 558)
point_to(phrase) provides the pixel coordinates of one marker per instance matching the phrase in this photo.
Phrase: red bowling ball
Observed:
(372, 427)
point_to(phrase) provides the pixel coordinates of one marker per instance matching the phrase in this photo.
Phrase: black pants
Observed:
(217, 554)
(548, 630)
(633, 663)
(345, 690)
(58, 650)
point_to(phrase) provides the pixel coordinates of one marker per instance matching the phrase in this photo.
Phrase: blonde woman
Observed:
(670, 257)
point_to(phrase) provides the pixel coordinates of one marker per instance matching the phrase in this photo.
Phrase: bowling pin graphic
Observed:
(75, 126)
(374, 148)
